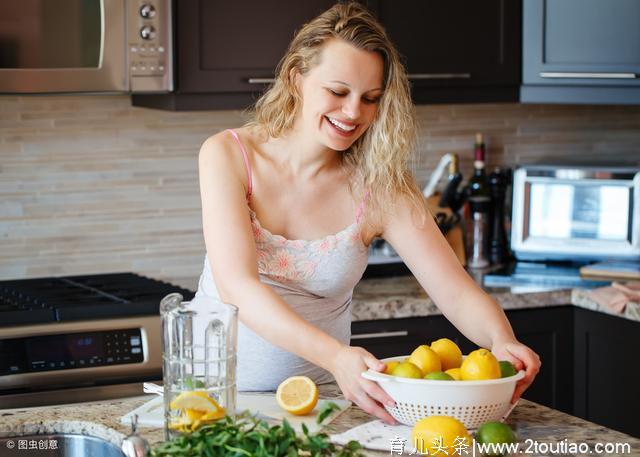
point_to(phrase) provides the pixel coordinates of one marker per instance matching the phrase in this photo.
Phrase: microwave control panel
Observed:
(149, 45)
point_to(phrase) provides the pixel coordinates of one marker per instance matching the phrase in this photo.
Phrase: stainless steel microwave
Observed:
(85, 46)
(575, 213)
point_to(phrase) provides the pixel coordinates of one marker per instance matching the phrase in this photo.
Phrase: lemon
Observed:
(426, 359)
(407, 370)
(454, 373)
(495, 433)
(444, 435)
(195, 400)
(507, 369)
(480, 364)
(449, 353)
(391, 366)
(297, 395)
(439, 376)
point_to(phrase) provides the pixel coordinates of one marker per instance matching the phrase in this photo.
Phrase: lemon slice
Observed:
(297, 395)
(195, 400)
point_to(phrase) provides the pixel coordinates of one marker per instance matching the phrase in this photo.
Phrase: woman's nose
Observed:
(351, 108)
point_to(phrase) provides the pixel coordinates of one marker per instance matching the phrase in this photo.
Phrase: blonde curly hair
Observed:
(378, 160)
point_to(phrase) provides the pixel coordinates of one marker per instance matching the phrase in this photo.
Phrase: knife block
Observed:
(454, 236)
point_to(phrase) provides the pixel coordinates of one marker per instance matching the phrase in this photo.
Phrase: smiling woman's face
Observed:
(340, 94)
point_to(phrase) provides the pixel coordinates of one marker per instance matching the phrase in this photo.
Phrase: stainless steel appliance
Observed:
(577, 214)
(86, 46)
(79, 338)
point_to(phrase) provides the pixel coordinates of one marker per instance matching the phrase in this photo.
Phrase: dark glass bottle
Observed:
(479, 200)
(498, 251)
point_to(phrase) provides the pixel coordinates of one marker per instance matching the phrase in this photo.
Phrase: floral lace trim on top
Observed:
(297, 260)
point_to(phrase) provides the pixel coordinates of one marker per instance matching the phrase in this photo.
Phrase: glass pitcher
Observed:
(199, 342)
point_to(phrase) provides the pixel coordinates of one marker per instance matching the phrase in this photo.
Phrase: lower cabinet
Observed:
(549, 332)
(588, 358)
(607, 370)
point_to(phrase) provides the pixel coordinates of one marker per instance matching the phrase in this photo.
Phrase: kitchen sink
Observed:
(58, 445)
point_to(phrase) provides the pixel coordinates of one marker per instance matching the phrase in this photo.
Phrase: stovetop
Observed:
(86, 297)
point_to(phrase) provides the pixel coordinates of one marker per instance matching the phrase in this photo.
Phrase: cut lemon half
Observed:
(195, 400)
(297, 395)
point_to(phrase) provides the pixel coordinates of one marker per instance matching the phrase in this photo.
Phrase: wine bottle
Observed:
(479, 200)
(449, 194)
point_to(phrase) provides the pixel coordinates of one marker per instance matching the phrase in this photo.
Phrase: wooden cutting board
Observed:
(265, 406)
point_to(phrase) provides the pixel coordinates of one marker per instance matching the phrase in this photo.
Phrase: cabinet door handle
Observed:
(362, 336)
(261, 80)
(420, 76)
(561, 74)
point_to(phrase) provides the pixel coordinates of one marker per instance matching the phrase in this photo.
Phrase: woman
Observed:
(291, 201)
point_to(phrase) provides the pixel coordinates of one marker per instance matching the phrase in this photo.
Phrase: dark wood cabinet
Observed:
(227, 52)
(588, 358)
(581, 51)
(549, 332)
(607, 370)
(457, 51)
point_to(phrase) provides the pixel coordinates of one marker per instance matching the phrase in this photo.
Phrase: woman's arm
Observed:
(231, 251)
(477, 315)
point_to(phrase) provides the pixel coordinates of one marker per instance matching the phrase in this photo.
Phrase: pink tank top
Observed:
(315, 277)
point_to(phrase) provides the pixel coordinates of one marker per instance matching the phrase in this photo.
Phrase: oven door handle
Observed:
(366, 336)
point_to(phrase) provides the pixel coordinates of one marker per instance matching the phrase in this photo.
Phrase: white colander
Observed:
(471, 402)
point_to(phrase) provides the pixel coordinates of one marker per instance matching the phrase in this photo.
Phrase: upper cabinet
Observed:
(455, 51)
(581, 51)
(227, 52)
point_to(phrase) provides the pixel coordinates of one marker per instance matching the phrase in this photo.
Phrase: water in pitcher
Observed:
(199, 363)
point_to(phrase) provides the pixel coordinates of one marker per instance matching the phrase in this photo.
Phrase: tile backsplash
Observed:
(90, 184)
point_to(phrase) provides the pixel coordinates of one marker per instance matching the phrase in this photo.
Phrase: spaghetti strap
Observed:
(246, 162)
(361, 206)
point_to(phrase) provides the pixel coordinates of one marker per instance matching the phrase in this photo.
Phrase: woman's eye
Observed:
(337, 94)
(371, 100)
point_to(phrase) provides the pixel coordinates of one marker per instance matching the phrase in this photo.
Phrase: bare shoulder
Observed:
(221, 154)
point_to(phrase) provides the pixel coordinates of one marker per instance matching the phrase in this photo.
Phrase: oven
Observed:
(79, 338)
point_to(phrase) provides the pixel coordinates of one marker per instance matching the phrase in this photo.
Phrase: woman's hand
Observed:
(523, 358)
(347, 368)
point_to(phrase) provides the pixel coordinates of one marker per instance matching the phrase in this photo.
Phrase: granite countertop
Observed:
(402, 296)
(102, 419)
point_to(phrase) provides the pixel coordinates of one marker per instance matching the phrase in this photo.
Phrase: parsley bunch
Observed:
(247, 436)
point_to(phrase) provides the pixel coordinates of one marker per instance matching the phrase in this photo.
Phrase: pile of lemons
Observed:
(442, 360)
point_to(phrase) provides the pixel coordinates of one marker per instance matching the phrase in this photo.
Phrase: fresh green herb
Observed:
(188, 382)
(251, 437)
(326, 410)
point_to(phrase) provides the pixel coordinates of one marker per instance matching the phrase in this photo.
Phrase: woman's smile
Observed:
(342, 128)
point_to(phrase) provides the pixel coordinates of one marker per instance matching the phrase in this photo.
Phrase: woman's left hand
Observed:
(523, 358)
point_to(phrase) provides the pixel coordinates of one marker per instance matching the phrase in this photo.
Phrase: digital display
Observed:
(69, 351)
(583, 211)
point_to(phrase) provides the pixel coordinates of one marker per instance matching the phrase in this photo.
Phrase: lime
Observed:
(507, 369)
(407, 370)
(495, 433)
(439, 376)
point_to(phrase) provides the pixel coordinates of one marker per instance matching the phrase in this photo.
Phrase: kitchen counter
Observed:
(402, 296)
(102, 419)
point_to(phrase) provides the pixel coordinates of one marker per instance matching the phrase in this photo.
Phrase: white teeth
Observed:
(340, 125)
